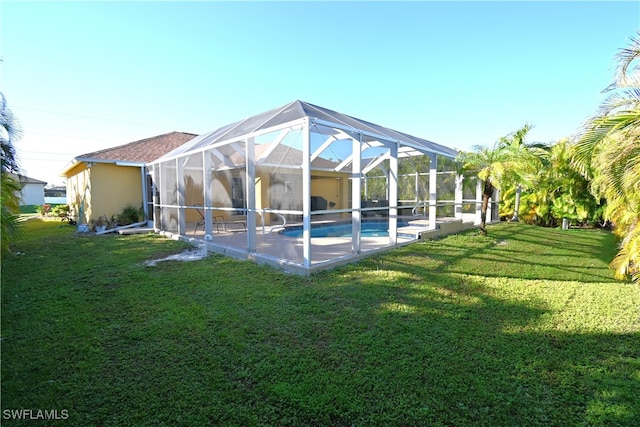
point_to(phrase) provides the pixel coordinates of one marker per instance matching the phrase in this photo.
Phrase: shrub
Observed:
(61, 211)
(44, 210)
(130, 215)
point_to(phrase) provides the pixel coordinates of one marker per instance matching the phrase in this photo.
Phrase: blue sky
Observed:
(83, 76)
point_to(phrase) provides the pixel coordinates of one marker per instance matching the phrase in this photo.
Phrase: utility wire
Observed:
(60, 113)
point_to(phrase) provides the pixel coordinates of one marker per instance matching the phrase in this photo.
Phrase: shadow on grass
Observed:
(448, 351)
(525, 252)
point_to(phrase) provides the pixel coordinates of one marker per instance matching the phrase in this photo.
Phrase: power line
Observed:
(59, 113)
(76, 137)
(37, 155)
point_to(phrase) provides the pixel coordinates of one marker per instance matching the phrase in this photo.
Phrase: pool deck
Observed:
(287, 252)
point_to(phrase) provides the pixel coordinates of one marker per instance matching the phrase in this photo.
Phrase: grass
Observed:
(524, 327)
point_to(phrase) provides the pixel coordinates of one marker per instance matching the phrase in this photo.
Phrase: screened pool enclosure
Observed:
(304, 187)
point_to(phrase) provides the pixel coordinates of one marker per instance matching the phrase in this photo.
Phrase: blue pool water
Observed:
(368, 229)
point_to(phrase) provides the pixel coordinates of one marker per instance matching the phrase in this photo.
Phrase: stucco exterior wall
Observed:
(332, 186)
(113, 188)
(77, 180)
(32, 194)
(109, 189)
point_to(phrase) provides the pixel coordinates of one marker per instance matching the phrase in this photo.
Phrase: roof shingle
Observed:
(144, 150)
(25, 179)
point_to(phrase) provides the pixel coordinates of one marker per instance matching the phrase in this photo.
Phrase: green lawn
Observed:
(524, 327)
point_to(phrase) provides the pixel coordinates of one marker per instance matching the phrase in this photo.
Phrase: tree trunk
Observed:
(517, 207)
(486, 195)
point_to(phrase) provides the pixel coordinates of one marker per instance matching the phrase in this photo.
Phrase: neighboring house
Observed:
(32, 192)
(105, 182)
(56, 195)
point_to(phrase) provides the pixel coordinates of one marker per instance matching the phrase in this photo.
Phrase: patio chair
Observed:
(200, 222)
(217, 222)
(220, 221)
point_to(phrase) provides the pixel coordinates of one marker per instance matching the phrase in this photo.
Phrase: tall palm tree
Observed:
(9, 132)
(527, 159)
(9, 188)
(490, 165)
(608, 150)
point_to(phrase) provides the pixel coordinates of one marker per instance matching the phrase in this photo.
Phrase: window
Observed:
(237, 196)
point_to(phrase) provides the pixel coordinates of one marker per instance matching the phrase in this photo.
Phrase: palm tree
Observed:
(9, 131)
(10, 228)
(552, 191)
(490, 165)
(526, 157)
(608, 150)
(9, 188)
(568, 190)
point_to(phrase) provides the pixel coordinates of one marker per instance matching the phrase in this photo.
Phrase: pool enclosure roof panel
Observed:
(318, 116)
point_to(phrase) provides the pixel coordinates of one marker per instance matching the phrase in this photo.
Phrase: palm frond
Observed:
(624, 99)
(10, 131)
(596, 132)
(627, 262)
(626, 57)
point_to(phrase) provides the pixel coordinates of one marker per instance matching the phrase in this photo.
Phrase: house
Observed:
(56, 195)
(105, 182)
(304, 187)
(32, 190)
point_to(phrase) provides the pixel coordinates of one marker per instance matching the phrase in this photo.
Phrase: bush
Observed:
(44, 210)
(130, 215)
(61, 211)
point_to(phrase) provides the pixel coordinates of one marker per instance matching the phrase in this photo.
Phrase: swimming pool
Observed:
(368, 229)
